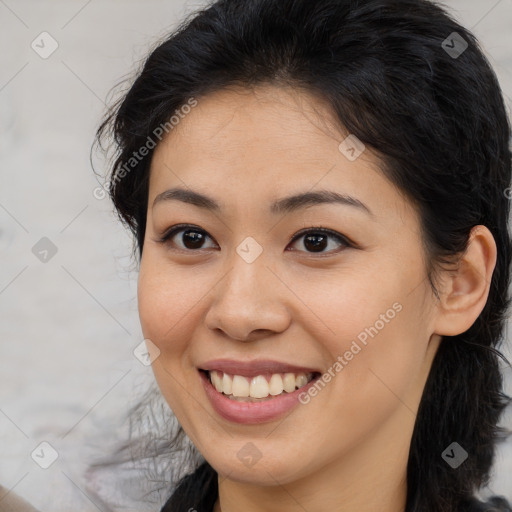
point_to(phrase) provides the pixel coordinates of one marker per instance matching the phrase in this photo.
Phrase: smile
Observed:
(254, 392)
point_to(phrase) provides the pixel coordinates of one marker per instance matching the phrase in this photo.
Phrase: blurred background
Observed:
(68, 312)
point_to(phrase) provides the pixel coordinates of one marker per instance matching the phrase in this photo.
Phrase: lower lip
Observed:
(252, 412)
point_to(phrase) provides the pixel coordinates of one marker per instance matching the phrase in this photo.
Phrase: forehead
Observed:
(264, 142)
(264, 126)
(280, 120)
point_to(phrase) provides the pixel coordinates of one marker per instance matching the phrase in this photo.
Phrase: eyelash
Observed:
(174, 230)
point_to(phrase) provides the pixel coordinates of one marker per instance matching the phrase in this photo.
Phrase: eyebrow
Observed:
(281, 206)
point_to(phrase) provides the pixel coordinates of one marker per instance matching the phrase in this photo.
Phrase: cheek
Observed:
(373, 328)
(166, 300)
(168, 318)
(381, 363)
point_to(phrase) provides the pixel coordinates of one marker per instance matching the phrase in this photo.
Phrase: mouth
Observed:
(257, 391)
(258, 388)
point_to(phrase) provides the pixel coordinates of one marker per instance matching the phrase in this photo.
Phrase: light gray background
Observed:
(68, 326)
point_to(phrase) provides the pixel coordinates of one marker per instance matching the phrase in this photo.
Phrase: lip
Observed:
(254, 368)
(247, 413)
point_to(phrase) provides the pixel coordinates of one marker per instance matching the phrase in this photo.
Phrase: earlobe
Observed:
(465, 289)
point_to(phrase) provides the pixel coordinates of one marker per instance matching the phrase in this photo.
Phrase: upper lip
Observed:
(254, 368)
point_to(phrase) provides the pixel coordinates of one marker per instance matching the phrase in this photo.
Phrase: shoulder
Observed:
(11, 502)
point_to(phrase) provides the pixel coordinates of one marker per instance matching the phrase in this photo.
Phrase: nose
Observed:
(249, 303)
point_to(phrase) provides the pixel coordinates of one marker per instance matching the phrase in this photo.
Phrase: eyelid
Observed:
(168, 233)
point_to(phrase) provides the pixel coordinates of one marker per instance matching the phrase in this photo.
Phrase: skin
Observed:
(347, 448)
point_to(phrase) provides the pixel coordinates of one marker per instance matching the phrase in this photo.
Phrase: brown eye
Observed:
(317, 240)
(191, 238)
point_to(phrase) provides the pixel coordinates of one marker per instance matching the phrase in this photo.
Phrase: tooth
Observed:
(276, 384)
(227, 384)
(216, 381)
(289, 382)
(301, 380)
(259, 387)
(240, 386)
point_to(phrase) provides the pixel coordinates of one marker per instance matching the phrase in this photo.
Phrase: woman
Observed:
(318, 191)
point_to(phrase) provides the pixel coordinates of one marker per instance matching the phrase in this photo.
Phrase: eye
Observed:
(317, 239)
(193, 237)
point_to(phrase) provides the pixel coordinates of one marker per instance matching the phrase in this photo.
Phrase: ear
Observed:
(464, 291)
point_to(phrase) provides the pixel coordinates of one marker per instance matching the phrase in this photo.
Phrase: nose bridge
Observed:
(248, 273)
(249, 296)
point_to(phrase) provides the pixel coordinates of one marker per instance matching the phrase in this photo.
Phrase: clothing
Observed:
(199, 489)
(11, 502)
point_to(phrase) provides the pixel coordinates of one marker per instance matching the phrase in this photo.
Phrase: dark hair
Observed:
(397, 77)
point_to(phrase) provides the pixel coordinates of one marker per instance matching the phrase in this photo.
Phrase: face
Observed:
(327, 296)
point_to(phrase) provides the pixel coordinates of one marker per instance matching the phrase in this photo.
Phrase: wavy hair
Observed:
(396, 76)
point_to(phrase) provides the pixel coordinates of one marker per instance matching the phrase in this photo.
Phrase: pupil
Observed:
(316, 245)
(192, 239)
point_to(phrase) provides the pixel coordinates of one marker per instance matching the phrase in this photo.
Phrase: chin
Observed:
(266, 471)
